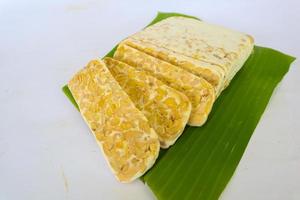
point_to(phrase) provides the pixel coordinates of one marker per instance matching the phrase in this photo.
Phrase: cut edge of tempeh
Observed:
(154, 99)
(211, 72)
(88, 87)
(198, 90)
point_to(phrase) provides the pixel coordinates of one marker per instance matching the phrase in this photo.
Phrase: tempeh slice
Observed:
(212, 73)
(129, 144)
(199, 91)
(166, 109)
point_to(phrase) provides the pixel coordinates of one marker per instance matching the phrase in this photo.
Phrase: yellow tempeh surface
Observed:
(209, 71)
(166, 109)
(199, 91)
(122, 131)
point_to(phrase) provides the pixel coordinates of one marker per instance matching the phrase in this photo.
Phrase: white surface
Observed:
(46, 151)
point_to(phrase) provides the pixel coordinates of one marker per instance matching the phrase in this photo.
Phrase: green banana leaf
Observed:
(203, 160)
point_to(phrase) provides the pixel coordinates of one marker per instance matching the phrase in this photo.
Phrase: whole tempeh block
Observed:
(210, 51)
(129, 144)
(166, 109)
(199, 91)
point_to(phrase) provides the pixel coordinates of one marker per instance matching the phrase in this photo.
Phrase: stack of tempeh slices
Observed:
(160, 79)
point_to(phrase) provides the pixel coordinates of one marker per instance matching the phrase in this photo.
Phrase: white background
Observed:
(46, 150)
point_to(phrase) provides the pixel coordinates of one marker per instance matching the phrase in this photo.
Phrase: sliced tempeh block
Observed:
(190, 43)
(129, 144)
(210, 72)
(166, 109)
(199, 91)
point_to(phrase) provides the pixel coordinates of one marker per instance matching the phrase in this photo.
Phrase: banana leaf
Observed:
(203, 160)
